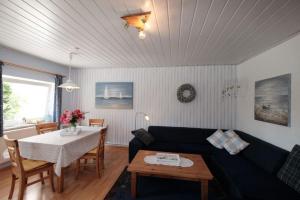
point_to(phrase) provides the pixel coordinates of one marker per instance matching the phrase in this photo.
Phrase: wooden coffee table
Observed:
(199, 172)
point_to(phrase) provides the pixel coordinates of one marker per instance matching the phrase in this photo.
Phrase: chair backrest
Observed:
(46, 127)
(96, 122)
(101, 142)
(14, 154)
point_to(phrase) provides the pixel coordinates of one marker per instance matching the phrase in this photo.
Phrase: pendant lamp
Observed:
(69, 85)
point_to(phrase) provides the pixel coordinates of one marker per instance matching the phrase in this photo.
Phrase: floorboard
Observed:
(87, 187)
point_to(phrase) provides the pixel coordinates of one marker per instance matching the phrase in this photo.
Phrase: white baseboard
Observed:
(116, 145)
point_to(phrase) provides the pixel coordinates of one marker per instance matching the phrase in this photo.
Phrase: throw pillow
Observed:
(235, 144)
(290, 171)
(230, 133)
(144, 136)
(217, 139)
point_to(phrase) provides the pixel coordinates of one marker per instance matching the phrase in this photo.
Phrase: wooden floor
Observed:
(87, 187)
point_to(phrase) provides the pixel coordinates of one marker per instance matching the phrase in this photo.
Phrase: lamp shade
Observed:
(147, 117)
(69, 85)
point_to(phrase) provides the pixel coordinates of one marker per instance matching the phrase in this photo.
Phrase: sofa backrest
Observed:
(265, 155)
(180, 134)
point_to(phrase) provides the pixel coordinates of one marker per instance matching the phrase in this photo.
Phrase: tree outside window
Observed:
(11, 103)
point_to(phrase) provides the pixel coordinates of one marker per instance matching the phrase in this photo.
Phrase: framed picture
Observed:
(114, 95)
(273, 100)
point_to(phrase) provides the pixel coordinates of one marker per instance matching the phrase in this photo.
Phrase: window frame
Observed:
(20, 80)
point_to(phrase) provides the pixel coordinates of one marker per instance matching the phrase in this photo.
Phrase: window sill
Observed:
(18, 127)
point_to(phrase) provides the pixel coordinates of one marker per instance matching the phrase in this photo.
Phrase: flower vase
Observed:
(73, 127)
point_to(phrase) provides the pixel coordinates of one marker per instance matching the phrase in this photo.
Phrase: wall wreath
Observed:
(186, 93)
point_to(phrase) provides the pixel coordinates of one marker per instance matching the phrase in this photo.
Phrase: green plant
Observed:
(10, 102)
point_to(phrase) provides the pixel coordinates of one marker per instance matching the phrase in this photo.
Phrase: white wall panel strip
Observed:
(155, 94)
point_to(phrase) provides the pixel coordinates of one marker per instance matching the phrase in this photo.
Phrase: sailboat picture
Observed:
(114, 95)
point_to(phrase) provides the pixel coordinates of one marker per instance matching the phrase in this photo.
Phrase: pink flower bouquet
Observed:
(72, 117)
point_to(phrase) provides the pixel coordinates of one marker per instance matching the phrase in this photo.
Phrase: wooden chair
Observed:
(94, 154)
(46, 127)
(22, 169)
(96, 122)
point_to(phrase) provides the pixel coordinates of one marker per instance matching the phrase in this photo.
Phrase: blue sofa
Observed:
(249, 175)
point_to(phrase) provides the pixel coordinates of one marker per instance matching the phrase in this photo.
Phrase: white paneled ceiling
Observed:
(183, 32)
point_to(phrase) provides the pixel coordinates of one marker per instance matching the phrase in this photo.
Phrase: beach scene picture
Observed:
(272, 100)
(114, 95)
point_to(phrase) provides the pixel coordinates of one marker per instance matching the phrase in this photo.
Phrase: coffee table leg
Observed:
(133, 185)
(204, 190)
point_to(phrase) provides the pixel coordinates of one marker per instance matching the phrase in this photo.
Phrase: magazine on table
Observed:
(168, 159)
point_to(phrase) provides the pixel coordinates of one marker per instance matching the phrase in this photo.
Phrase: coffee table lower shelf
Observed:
(203, 184)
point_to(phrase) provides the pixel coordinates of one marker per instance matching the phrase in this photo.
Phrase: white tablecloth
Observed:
(62, 150)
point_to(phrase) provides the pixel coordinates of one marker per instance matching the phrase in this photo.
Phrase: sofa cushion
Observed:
(218, 139)
(180, 134)
(290, 171)
(230, 133)
(219, 170)
(203, 149)
(162, 146)
(263, 154)
(180, 148)
(143, 136)
(248, 181)
(235, 144)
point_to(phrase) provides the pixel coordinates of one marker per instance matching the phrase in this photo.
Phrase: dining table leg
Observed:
(60, 181)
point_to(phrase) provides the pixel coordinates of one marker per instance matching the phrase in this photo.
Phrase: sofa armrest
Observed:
(134, 146)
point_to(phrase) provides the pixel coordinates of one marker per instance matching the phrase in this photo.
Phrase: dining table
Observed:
(59, 148)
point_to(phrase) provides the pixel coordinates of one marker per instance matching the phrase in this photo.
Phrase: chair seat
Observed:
(93, 151)
(33, 164)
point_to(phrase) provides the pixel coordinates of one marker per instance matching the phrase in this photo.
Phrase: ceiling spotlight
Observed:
(138, 21)
(147, 26)
(142, 35)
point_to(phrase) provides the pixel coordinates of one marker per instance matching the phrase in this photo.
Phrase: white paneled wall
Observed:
(280, 60)
(155, 94)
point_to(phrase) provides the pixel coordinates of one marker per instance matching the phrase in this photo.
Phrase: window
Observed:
(26, 101)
